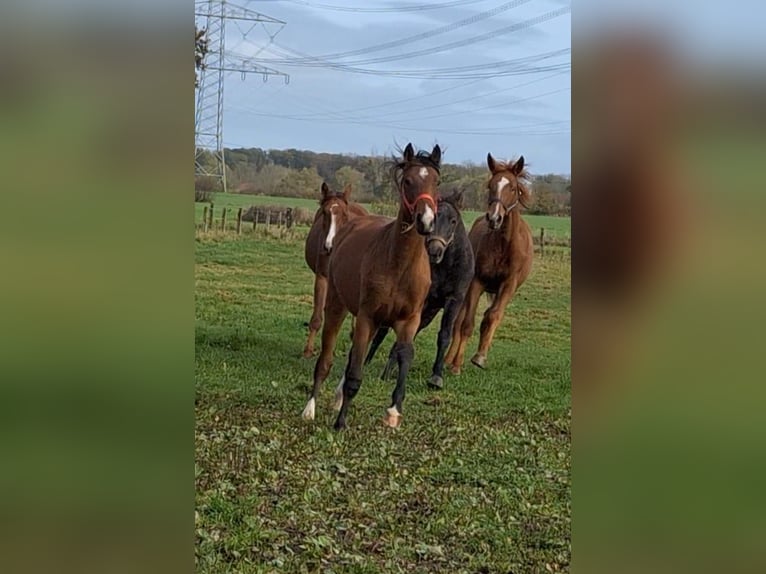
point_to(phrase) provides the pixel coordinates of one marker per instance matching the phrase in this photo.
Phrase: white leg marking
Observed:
(330, 234)
(308, 412)
(339, 394)
(423, 173)
(393, 412)
(428, 217)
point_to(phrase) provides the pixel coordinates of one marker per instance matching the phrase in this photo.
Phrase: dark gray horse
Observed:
(451, 258)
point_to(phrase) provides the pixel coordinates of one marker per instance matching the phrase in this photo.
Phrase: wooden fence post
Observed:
(210, 217)
(256, 215)
(542, 240)
(268, 218)
(204, 219)
(239, 221)
(279, 219)
(223, 220)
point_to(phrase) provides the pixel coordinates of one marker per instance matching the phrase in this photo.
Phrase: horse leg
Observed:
(405, 353)
(380, 336)
(466, 327)
(352, 379)
(428, 314)
(456, 335)
(320, 294)
(335, 314)
(451, 310)
(491, 321)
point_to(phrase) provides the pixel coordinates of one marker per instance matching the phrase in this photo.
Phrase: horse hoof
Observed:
(308, 412)
(436, 382)
(454, 369)
(479, 360)
(393, 418)
(308, 353)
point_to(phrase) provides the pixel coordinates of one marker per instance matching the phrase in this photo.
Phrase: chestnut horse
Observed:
(333, 213)
(379, 271)
(503, 249)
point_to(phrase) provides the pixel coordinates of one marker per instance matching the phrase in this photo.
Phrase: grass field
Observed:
(477, 479)
(557, 226)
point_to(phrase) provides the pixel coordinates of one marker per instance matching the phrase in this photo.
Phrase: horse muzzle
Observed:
(495, 221)
(436, 248)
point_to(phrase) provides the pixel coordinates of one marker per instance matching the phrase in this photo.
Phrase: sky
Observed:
(372, 106)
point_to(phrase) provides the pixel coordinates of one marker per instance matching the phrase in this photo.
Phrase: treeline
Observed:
(300, 173)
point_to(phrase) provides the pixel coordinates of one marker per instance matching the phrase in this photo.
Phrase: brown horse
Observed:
(379, 271)
(502, 245)
(334, 212)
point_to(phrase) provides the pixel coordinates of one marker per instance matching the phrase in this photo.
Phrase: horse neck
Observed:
(511, 225)
(405, 246)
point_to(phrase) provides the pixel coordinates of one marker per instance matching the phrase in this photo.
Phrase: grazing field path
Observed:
(476, 480)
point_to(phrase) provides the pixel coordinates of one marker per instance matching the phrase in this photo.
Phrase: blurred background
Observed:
(668, 117)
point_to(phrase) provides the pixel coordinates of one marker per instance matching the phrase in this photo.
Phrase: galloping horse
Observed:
(452, 265)
(379, 272)
(333, 213)
(502, 246)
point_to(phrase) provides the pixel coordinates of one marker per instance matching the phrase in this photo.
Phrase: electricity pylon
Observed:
(208, 118)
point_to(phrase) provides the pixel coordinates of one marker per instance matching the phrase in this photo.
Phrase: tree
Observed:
(303, 183)
(200, 51)
(349, 176)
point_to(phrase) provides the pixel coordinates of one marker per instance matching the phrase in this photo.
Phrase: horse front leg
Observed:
(493, 316)
(405, 353)
(320, 295)
(451, 310)
(352, 379)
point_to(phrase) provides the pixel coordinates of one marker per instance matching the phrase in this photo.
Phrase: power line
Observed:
(406, 8)
(417, 37)
(303, 59)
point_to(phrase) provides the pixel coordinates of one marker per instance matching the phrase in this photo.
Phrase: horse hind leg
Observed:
(493, 316)
(465, 327)
(320, 295)
(335, 314)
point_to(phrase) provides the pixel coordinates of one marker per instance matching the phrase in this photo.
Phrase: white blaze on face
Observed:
(423, 173)
(428, 217)
(333, 229)
(501, 185)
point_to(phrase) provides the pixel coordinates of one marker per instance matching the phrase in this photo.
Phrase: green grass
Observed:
(477, 479)
(558, 226)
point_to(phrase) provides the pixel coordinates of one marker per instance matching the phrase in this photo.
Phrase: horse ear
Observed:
(491, 162)
(436, 154)
(346, 191)
(457, 199)
(518, 166)
(325, 189)
(409, 152)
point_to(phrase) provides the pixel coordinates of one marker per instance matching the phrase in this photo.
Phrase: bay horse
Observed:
(452, 263)
(334, 212)
(502, 246)
(379, 272)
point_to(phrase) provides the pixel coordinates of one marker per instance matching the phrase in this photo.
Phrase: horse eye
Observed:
(407, 181)
(454, 221)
